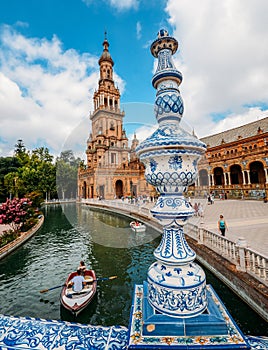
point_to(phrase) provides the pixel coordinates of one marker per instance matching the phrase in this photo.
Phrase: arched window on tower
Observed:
(108, 74)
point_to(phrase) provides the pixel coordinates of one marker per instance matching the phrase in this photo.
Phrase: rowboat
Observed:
(78, 301)
(137, 226)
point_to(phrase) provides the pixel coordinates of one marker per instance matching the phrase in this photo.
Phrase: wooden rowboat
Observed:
(78, 301)
(137, 226)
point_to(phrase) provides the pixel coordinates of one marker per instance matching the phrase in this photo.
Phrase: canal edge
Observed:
(24, 236)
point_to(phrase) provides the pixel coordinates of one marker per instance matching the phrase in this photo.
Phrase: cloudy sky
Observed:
(49, 52)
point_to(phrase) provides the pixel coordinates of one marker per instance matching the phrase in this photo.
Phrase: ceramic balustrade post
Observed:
(176, 285)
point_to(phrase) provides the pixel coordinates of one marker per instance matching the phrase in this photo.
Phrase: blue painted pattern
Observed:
(184, 178)
(19, 333)
(153, 165)
(174, 247)
(169, 103)
(175, 162)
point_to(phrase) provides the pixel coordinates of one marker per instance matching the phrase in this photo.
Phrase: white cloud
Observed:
(45, 91)
(238, 119)
(223, 58)
(138, 30)
(121, 5)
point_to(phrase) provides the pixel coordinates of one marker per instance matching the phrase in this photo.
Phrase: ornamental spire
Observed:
(106, 54)
(167, 79)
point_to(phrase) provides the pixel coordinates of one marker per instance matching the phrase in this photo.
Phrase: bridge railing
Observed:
(244, 258)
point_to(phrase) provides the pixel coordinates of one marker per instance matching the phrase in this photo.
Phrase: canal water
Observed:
(106, 243)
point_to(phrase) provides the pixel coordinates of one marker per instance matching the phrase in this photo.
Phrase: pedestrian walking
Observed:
(222, 225)
(212, 198)
(200, 210)
(195, 209)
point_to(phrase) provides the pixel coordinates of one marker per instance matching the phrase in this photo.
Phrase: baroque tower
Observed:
(112, 169)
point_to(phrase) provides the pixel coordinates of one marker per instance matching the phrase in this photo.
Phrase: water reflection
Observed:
(56, 249)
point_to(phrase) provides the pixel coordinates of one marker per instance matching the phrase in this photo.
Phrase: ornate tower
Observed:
(107, 144)
(109, 171)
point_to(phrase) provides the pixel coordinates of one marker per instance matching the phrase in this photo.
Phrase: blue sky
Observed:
(49, 51)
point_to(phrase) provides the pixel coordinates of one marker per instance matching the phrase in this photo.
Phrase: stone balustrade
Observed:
(244, 258)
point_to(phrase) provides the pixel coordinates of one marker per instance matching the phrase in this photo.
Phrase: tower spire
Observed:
(107, 96)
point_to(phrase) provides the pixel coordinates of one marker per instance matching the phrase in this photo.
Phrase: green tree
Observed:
(7, 165)
(66, 174)
(12, 183)
(39, 174)
(21, 153)
(35, 173)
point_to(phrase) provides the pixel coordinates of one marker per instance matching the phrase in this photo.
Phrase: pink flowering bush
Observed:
(15, 213)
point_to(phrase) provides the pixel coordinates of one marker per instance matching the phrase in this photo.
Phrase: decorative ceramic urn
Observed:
(176, 285)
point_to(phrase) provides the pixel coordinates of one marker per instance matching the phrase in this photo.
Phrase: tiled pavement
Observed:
(245, 218)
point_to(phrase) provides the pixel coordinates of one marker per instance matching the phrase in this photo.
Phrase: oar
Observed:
(46, 290)
(62, 285)
(105, 278)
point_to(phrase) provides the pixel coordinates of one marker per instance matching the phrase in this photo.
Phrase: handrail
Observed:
(245, 259)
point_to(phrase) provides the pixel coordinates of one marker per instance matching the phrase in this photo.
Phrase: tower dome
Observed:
(106, 54)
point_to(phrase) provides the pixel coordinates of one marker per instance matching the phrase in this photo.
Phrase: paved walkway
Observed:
(245, 218)
(3, 228)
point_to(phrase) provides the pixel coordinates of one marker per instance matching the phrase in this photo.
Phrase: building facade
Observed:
(236, 163)
(112, 169)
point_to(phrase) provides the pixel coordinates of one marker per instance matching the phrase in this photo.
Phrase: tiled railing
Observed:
(244, 258)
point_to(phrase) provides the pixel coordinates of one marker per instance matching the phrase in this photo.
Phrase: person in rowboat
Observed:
(82, 267)
(78, 282)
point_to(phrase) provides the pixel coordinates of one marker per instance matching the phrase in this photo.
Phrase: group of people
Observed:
(210, 198)
(198, 210)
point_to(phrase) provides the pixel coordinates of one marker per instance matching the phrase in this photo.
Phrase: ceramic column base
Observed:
(213, 329)
(178, 291)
